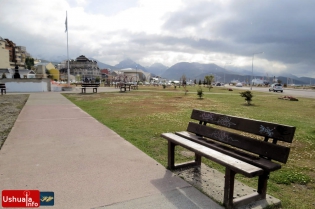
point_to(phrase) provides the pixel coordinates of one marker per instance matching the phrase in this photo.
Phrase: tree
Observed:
(248, 96)
(209, 79)
(29, 62)
(199, 82)
(4, 75)
(183, 79)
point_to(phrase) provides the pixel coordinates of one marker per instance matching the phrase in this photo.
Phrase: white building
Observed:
(133, 75)
(257, 81)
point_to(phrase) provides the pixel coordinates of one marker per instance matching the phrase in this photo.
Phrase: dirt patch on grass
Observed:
(146, 102)
(10, 107)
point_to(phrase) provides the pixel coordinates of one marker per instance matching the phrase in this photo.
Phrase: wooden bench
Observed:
(3, 88)
(240, 144)
(89, 85)
(125, 86)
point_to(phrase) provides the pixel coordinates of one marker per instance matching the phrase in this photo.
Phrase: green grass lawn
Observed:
(140, 116)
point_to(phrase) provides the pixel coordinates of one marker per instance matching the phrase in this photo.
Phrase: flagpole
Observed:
(68, 72)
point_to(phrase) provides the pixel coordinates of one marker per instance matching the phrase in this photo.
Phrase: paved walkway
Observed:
(55, 146)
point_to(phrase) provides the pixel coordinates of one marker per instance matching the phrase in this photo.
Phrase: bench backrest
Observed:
(90, 84)
(228, 135)
(2, 85)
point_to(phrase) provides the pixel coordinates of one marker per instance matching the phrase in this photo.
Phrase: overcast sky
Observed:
(169, 31)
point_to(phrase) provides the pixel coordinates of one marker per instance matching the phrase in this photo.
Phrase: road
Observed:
(286, 91)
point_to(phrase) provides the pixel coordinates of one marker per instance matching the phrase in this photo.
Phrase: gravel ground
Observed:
(10, 108)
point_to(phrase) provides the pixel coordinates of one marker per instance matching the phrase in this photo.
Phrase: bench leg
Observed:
(171, 159)
(94, 90)
(262, 185)
(171, 156)
(229, 188)
(197, 159)
(229, 202)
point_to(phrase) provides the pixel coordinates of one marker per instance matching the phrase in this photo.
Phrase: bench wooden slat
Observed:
(266, 149)
(234, 164)
(254, 160)
(90, 84)
(3, 88)
(271, 130)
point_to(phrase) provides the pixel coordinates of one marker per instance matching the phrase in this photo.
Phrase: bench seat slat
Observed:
(90, 85)
(234, 164)
(262, 128)
(270, 150)
(254, 160)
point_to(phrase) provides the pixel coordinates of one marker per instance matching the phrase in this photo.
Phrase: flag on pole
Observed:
(66, 23)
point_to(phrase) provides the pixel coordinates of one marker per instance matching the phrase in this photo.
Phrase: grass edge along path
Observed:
(141, 116)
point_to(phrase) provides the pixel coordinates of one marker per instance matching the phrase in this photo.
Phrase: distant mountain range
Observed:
(157, 69)
(198, 71)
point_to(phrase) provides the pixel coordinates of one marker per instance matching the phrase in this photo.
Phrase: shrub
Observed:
(248, 96)
(200, 92)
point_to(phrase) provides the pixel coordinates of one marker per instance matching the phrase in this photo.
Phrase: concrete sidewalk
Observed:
(55, 146)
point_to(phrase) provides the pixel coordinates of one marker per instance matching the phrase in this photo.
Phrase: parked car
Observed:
(276, 87)
(239, 85)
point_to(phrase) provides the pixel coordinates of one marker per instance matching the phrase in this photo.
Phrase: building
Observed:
(25, 73)
(134, 75)
(7, 72)
(42, 68)
(82, 68)
(4, 55)
(105, 73)
(17, 54)
(257, 81)
(12, 55)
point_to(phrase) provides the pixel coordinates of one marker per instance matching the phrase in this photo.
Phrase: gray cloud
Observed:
(283, 30)
(202, 31)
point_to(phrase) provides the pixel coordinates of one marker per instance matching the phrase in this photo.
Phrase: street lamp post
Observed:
(251, 82)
